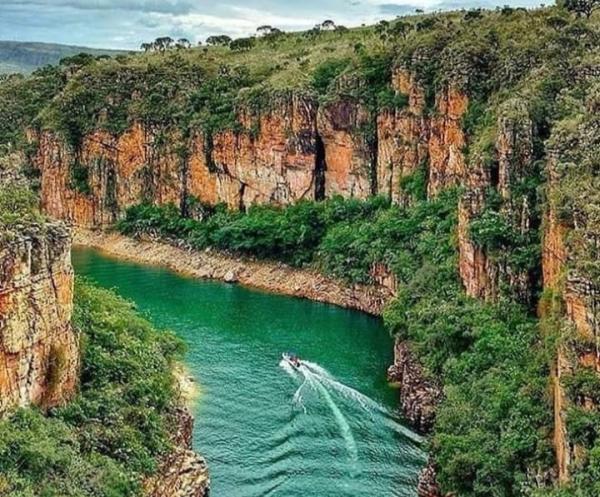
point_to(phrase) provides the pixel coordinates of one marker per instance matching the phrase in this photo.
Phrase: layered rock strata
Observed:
(289, 150)
(39, 349)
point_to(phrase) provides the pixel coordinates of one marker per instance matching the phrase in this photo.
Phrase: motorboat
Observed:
(292, 359)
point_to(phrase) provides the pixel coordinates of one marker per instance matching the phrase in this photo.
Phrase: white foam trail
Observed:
(298, 395)
(318, 377)
(315, 368)
(342, 422)
(365, 402)
(369, 405)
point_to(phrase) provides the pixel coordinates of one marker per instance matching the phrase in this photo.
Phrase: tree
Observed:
(242, 44)
(400, 28)
(582, 7)
(264, 30)
(183, 43)
(147, 47)
(328, 25)
(273, 34)
(218, 40)
(163, 43)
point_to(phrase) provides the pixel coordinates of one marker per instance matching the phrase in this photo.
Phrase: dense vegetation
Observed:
(481, 52)
(110, 436)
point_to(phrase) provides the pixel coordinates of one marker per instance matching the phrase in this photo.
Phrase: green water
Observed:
(326, 430)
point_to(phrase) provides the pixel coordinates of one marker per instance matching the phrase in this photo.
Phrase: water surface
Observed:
(266, 429)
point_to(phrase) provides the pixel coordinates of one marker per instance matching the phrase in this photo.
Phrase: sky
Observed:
(125, 24)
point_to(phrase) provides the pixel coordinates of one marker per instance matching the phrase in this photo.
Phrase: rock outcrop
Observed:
(484, 270)
(419, 395)
(570, 239)
(182, 473)
(343, 127)
(428, 485)
(412, 137)
(271, 158)
(286, 150)
(39, 349)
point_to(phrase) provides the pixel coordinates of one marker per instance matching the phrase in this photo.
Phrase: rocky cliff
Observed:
(571, 234)
(414, 137)
(419, 394)
(496, 204)
(39, 349)
(291, 148)
(182, 473)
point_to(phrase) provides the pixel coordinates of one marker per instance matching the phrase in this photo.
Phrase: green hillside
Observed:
(26, 57)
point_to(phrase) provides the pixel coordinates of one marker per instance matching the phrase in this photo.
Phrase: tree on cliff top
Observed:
(183, 43)
(218, 40)
(582, 7)
(243, 44)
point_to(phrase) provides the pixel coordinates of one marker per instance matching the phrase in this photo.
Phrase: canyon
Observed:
(299, 150)
(437, 170)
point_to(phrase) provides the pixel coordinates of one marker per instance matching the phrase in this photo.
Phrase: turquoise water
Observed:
(266, 429)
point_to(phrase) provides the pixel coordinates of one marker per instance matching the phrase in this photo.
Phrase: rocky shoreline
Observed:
(182, 472)
(264, 275)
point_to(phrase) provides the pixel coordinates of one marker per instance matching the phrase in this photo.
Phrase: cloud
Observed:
(393, 9)
(163, 6)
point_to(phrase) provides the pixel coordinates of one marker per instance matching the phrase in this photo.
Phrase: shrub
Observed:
(327, 72)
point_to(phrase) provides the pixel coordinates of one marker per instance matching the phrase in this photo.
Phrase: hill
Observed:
(26, 57)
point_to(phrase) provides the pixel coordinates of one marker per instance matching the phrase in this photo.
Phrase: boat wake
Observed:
(314, 378)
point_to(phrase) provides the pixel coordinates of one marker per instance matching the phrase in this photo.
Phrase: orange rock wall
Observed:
(410, 136)
(290, 151)
(122, 171)
(39, 351)
(343, 127)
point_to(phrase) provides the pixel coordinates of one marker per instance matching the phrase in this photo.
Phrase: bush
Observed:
(18, 205)
(327, 72)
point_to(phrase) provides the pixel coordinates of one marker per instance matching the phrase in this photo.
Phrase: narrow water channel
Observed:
(326, 429)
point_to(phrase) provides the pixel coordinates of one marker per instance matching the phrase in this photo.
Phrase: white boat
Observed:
(292, 359)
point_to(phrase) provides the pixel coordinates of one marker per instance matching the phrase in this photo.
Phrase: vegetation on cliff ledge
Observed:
(112, 434)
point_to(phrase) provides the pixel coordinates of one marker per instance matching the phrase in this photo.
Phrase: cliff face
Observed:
(419, 394)
(39, 350)
(579, 307)
(289, 150)
(411, 137)
(484, 268)
(182, 473)
(272, 161)
(105, 174)
(349, 157)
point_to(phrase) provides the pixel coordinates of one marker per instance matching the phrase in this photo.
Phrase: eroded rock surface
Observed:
(39, 349)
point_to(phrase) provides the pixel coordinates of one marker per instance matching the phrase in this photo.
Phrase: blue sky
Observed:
(127, 23)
